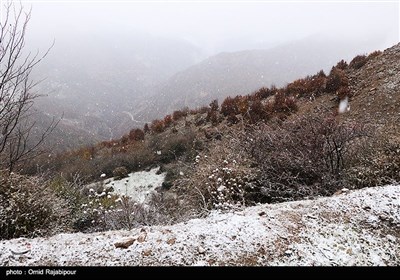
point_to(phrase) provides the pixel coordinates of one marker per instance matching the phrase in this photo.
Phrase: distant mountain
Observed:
(97, 81)
(230, 74)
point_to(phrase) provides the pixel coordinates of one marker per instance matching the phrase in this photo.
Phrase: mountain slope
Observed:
(354, 228)
(230, 74)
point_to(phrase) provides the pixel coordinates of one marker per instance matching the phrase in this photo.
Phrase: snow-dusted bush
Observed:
(306, 156)
(377, 163)
(120, 172)
(222, 178)
(127, 213)
(174, 145)
(29, 207)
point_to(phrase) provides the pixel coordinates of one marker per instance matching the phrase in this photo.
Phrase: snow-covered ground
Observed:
(137, 185)
(354, 228)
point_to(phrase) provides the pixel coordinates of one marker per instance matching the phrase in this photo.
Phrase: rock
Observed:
(311, 216)
(142, 237)
(147, 252)
(124, 244)
(262, 213)
(391, 238)
(171, 241)
(201, 250)
(288, 252)
(349, 251)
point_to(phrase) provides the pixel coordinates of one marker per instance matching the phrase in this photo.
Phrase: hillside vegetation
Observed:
(272, 145)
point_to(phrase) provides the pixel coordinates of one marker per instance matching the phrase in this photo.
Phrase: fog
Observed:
(216, 26)
(116, 65)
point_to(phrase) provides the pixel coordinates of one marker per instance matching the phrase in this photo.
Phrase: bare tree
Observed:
(17, 93)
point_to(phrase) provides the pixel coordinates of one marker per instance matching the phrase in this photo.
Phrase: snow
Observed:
(138, 185)
(327, 231)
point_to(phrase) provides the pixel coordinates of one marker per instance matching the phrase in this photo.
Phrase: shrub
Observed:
(124, 139)
(257, 112)
(136, 135)
(146, 128)
(374, 54)
(29, 208)
(232, 119)
(264, 93)
(342, 65)
(167, 120)
(120, 172)
(214, 105)
(283, 104)
(174, 146)
(229, 106)
(336, 79)
(304, 157)
(179, 114)
(222, 178)
(297, 88)
(157, 126)
(377, 163)
(358, 61)
(212, 116)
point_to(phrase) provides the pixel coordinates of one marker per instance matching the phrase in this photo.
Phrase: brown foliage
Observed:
(167, 120)
(374, 54)
(284, 104)
(309, 86)
(257, 112)
(342, 65)
(179, 114)
(264, 92)
(146, 128)
(358, 61)
(305, 157)
(136, 135)
(157, 126)
(336, 79)
(229, 106)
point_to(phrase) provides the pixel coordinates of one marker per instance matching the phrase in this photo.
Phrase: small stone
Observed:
(349, 251)
(288, 252)
(142, 237)
(171, 241)
(262, 213)
(345, 190)
(311, 216)
(146, 253)
(124, 244)
(391, 238)
(201, 250)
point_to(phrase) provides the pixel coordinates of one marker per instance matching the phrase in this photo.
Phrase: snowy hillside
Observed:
(352, 228)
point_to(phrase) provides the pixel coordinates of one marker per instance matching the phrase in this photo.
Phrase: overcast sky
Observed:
(214, 25)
